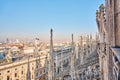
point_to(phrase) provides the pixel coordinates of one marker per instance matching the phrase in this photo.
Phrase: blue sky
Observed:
(31, 18)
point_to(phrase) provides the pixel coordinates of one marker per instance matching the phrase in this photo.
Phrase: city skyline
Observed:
(30, 19)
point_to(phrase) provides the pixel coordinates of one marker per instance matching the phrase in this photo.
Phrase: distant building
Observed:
(32, 69)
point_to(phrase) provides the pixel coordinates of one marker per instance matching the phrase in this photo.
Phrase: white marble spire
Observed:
(72, 72)
(51, 60)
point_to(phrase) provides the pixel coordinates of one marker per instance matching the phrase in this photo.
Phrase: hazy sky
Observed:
(33, 18)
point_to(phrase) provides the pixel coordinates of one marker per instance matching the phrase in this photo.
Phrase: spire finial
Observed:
(72, 39)
(51, 34)
(51, 30)
(102, 8)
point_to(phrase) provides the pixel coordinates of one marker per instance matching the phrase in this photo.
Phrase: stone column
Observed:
(61, 64)
(56, 64)
(117, 22)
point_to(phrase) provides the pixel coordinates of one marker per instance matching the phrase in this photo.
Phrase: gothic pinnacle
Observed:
(72, 39)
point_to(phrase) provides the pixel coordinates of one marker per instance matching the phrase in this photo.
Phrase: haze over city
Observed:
(27, 19)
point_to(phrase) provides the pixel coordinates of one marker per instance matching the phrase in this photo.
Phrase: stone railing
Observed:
(116, 62)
